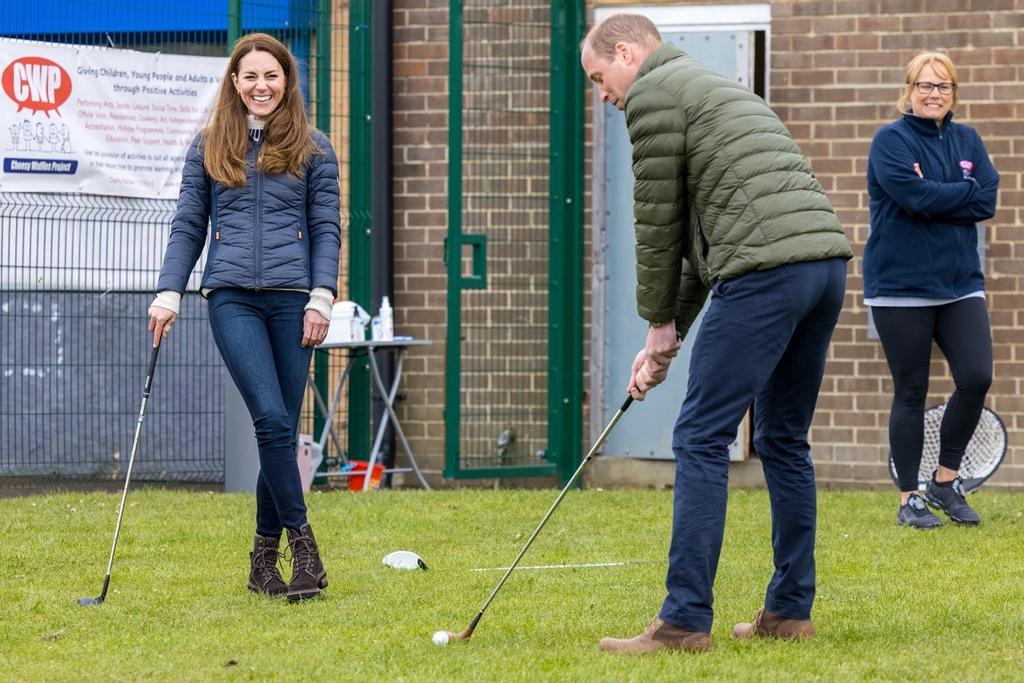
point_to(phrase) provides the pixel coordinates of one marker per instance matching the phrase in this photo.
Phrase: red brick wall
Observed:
(420, 220)
(504, 195)
(836, 70)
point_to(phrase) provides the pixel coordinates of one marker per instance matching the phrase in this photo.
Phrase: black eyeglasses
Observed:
(925, 88)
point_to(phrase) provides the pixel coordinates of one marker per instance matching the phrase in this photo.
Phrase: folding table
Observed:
(386, 394)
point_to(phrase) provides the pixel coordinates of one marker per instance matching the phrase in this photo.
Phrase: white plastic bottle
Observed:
(387, 320)
(340, 329)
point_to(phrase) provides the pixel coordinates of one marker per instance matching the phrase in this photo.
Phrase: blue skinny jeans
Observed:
(259, 335)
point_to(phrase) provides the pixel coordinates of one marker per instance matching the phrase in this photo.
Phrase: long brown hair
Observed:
(288, 135)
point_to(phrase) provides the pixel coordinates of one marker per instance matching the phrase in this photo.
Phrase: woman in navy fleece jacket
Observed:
(930, 181)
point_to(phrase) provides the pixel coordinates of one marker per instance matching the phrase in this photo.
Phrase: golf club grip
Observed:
(625, 404)
(152, 368)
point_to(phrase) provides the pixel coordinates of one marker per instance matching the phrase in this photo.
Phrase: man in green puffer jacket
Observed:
(725, 202)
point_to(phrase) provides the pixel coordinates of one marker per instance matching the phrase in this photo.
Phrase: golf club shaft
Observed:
(131, 462)
(572, 480)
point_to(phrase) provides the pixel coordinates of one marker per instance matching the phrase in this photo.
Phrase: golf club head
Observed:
(88, 602)
(464, 635)
(451, 637)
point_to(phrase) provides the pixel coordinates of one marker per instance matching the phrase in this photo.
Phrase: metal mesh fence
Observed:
(77, 274)
(505, 197)
(332, 114)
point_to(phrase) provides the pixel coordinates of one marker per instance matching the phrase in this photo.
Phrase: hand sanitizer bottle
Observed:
(387, 320)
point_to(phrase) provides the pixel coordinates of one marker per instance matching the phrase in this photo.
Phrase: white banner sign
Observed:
(99, 121)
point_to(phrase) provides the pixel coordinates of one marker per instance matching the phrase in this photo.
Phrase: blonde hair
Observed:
(288, 134)
(914, 68)
(624, 28)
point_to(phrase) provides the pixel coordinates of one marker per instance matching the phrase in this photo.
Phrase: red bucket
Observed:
(357, 476)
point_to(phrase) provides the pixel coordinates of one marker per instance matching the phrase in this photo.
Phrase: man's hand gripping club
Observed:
(650, 367)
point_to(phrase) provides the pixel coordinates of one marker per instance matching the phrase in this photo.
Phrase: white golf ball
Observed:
(440, 638)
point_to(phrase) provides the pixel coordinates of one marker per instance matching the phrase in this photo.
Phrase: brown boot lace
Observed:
(300, 552)
(265, 562)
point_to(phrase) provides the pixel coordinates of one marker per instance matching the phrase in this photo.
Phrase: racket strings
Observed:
(984, 451)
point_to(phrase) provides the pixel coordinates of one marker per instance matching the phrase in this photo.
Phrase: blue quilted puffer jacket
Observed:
(277, 231)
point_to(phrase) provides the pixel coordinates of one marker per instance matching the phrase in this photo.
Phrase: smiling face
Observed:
(260, 82)
(613, 77)
(934, 105)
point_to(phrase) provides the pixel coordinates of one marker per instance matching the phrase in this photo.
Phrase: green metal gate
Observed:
(514, 249)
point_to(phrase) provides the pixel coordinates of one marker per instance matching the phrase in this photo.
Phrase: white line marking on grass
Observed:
(565, 566)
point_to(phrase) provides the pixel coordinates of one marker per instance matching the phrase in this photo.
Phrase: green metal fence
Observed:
(514, 246)
(77, 271)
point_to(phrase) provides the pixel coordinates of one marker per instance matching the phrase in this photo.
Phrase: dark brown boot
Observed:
(769, 625)
(263, 574)
(308, 574)
(658, 636)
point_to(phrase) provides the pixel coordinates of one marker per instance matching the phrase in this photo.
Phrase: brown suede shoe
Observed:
(658, 636)
(769, 625)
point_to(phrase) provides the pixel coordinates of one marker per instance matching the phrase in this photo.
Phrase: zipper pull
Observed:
(216, 235)
(300, 234)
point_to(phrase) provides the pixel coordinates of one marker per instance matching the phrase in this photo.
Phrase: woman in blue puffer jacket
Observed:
(930, 181)
(267, 183)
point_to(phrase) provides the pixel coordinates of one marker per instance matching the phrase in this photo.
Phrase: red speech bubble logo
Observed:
(36, 83)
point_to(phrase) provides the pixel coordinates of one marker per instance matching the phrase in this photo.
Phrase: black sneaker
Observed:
(950, 499)
(916, 514)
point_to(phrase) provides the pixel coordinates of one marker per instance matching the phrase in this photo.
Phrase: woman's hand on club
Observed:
(160, 321)
(314, 328)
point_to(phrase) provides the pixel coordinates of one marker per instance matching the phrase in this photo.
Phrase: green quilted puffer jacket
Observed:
(721, 188)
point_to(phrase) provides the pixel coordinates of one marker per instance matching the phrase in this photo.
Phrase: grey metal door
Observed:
(619, 333)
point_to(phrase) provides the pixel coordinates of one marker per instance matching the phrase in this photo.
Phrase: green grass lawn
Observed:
(893, 604)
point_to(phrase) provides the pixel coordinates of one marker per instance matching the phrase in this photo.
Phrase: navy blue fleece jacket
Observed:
(923, 241)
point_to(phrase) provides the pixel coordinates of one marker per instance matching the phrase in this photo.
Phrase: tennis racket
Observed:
(985, 450)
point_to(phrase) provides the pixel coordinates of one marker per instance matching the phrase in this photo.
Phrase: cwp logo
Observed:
(36, 83)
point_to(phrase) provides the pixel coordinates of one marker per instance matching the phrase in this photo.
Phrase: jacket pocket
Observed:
(703, 249)
(304, 246)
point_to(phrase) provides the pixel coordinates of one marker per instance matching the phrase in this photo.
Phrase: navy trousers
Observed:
(259, 335)
(764, 339)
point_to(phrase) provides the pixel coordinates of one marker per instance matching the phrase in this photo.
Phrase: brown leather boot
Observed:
(263, 574)
(769, 625)
(658, 636)
(308, 573)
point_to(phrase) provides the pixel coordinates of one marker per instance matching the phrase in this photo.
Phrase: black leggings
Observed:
(962, 332)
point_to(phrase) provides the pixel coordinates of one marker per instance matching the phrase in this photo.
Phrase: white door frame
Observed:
(668, 18)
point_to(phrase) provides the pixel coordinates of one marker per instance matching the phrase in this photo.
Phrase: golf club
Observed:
(85, 602)
(444, 637)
